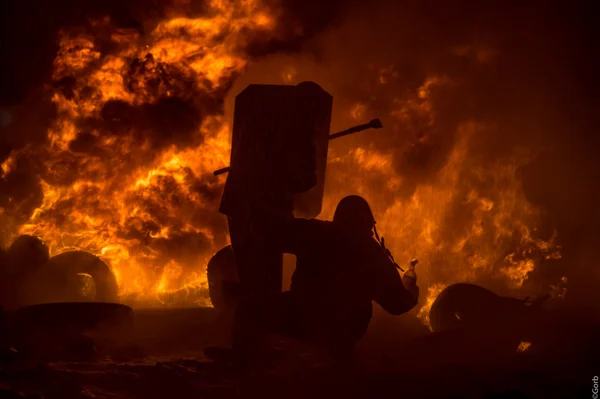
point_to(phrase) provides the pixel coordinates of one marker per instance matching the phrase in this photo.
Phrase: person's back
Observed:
(340, 270)
(333, 283)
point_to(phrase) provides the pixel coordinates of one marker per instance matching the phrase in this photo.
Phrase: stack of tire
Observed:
(55, 304)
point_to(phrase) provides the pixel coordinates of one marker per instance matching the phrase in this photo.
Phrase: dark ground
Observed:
(398, 358)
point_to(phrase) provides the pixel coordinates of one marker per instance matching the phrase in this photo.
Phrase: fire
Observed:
(559, 290)
(127, 167)
(358, 111)
(523, 346)
(470, 221)
(6, 166)
(140, 197)
(289, 75)
(432, 293)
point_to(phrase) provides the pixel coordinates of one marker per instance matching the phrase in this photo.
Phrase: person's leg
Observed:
(258, 317)
(338, 340)
(259, 265)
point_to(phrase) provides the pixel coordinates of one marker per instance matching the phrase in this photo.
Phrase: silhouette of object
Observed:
(26, 256)
(466, 305)
(373, 124)
(353, 212)
(73, 263)
(223, 281)
(63, 279)
(3, 330)
(340, 270)
(278, 158)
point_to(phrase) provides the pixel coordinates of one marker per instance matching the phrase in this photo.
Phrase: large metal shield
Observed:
(278, 156)
(279, 145)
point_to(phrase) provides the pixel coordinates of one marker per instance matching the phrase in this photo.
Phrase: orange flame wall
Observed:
(137, 135)
(140, 126)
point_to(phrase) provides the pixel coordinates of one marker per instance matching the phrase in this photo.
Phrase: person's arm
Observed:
(295, 236)
(395, 296)
(287, 233)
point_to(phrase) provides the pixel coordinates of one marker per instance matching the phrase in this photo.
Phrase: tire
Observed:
(59, 278)
(461, 305)
(221, 272)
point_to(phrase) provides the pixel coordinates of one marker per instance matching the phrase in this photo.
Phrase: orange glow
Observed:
(432, 292)
(495, 236)
(470, 219)
(523, 346)
(7, 166)
(289, 75)
(358, 111)
(111, 194)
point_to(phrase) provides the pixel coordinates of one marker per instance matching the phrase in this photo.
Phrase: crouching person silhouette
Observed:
(340, 270)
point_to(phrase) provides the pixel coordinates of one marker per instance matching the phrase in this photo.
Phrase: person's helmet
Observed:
(354, 213)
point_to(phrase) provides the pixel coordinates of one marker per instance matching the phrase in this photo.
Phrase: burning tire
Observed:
(462, 305)
(222, 278)
(74, 276)
(467, 305)
(19, 265)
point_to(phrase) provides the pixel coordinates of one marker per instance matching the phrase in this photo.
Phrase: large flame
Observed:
(470, 222)
(125, 197)
(143, 197)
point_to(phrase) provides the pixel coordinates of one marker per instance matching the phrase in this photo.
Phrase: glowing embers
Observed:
(432, 293)
(138, 130)
(523, 346)
(86, 286)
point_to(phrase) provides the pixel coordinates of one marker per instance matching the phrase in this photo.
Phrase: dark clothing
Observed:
(259, 264)
(338, 274)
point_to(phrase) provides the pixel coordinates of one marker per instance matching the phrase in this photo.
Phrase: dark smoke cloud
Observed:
(30, 43)
(528, 72)
(29, 36)
(538, 90)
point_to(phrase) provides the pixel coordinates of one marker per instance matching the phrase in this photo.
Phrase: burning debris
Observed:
(30, 276)
(126, 172)
(84, 272)
(462, 305)
(138, 126)
(524, 346)
(114, 115)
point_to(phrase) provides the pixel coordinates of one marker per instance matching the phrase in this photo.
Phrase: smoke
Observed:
(113, 122)
(489, 128)
(513, 83)
(31, 32)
